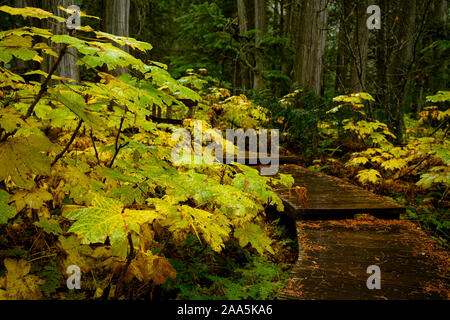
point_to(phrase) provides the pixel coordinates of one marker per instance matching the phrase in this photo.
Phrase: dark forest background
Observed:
(268, 48)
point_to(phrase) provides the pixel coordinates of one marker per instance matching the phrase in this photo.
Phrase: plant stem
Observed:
(47, 80)
(117, 146)
(414, 168)
(74, 135)
(95, 148)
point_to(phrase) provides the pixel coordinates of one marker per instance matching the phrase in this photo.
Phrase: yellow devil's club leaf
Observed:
(107, 218)
(75, 253)
(394, 164)
(29, 31)
(133, 43)
(10, 119)
(82, 13)
(185, 220)
(18, 46)
(357, 161)
(21, 159)
(8, 78)
(365, 96)
(19, 285)
(31, 12)
(369, 176)
(148, 267)
(32, 199)
(254, 235)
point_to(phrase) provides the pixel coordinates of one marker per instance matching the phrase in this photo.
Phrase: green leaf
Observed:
(6, 212)
(18, 46)
(77, 105)
(21, 159)
(287, 180)
(436, 175)
(107, 218)
(162, 78)
(49, 226)
(441, 96)
(253, 234)
(213, 228)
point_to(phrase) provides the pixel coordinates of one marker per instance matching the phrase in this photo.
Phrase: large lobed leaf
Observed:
(6, 211)
(107, 218)
(21, 158)
(29, 12)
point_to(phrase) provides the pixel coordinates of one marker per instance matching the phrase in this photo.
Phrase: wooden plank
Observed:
(332, 198)
(334, 256)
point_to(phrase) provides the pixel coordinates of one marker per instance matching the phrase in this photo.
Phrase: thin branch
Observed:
(47, 80)
(95, 148)
(74, 135)
(442, 125)
(117, 146)
(131, 252)
(168, 120)
(118, 132)
(117, 152)
(414, 168)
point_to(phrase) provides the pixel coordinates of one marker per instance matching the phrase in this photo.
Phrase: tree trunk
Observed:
(439, 12)
(397, 69)
(286, 67)
(67, 68)
(439, 15)
(359, 48)
(242, 15)
(382, 54)
(244, 71)
(116, 21)
(311, 23)
(342, 59)
(261, 25)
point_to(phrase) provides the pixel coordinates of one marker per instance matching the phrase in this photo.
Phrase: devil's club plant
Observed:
(87, 148)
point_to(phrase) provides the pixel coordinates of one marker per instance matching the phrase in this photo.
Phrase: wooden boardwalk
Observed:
(334, 256)
(338, 240)
(332, 198)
